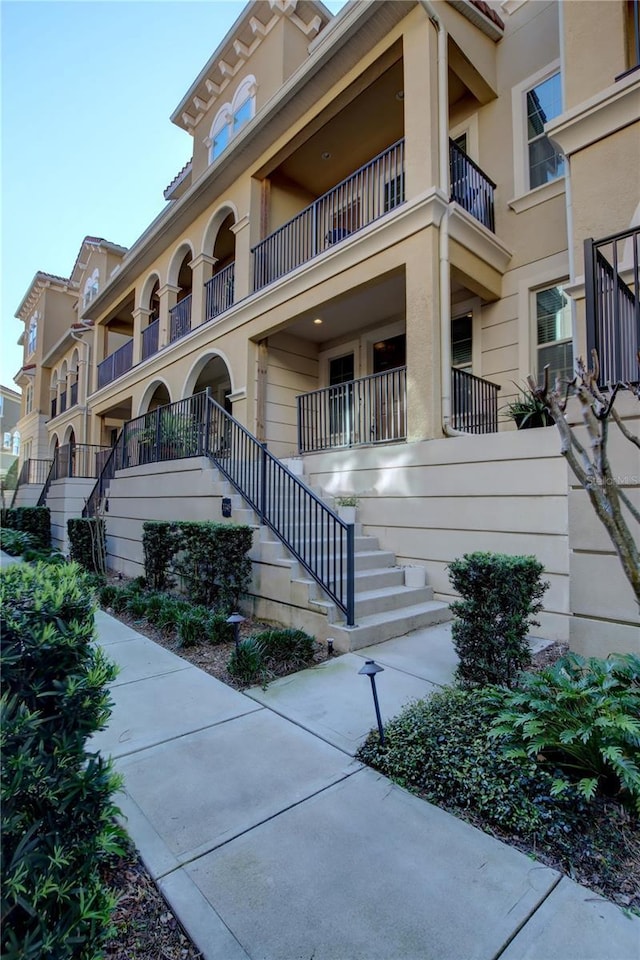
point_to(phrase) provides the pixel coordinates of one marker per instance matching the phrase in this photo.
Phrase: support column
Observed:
(168, 296)
(424, 415)
(243, 280)
(420, 65)
(201, 271)
(140, 320)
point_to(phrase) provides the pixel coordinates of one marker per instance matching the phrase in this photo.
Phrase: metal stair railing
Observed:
(316, 536)
(113, 462)
(42, 499)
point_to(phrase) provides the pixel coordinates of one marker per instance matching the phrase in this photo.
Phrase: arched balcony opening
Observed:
(180, 315)
(220, 288)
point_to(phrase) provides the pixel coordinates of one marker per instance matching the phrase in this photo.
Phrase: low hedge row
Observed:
(35, 521)
(87, 544)
(57, 811)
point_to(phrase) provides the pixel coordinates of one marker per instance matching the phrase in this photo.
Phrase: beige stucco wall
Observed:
(66, 499)
(594, 47)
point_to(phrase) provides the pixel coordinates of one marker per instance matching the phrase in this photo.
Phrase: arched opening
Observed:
(211, 372)
(151, 326)
(53, 445)
(156, 395)
(63, 388)
(180, 315)
(74, 371)
(53, 390)
(220, 288)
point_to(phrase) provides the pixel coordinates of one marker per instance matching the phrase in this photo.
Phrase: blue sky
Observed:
(87, 145)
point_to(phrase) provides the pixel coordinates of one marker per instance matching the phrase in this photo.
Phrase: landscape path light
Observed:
(369, 670)
(236, 619)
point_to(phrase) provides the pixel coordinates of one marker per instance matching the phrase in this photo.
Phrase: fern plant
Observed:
(582, 716)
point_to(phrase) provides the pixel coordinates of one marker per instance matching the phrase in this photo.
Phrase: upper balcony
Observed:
(360, 199)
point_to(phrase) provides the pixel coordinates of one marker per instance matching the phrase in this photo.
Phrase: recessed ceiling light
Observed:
(317, 320)
(400, 95)
(326, 155)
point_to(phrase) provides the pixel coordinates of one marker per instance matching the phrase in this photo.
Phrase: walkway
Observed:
(272, 843)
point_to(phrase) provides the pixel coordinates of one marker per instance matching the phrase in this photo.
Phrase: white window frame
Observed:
(470, 127)
(91, 288)
(28, 399)
(533, 313)
(525, 196)
(225, 117)
(32, 334)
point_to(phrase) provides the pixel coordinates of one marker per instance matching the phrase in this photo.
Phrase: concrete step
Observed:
(378, 627)
(387, 599)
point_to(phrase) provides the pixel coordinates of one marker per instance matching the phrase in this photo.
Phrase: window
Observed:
(16, 443)
(232, 117)
(91, 288)
(7, 441)
(462, 342)
(544, 102)
(32, 336)
(28, 400)
(553, 330)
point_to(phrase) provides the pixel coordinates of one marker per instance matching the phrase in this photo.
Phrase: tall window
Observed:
(28, 399)
(553, 325)
(544, 102)
(462, 342)
(91, 288)
(16, 443)
(232, 117)
(32, 336)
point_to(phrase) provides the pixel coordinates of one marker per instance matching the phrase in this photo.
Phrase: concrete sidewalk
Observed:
(272, 843)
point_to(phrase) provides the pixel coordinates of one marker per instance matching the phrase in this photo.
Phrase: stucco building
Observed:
(380, 233)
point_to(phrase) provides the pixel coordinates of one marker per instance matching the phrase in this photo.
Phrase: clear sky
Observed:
(87, 144)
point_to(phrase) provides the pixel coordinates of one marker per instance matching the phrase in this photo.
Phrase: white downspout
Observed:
(568, 196)
(79, 337)
(444, 295)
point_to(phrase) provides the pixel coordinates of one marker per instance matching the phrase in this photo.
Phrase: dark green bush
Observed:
(246, 663)
(582, 716)
(193, 626)
(33, 520)
(442, 748)
(169, 613)
(57, 814)
(213, 563)
(15, 542)
(286, 647)
(87, 543)
(500, 594)
(160, 541)
(218, 630)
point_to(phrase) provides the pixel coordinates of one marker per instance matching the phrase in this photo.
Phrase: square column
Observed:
(140, 320)
(424, 415)
(243, 278)
(168, 296)
(420, 65)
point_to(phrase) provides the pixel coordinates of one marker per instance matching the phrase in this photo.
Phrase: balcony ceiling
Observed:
(371, 121)
(362, 308)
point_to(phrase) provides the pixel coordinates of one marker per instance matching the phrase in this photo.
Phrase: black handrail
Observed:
(322, 542)
(42, 499)
(474, 403)
(471, 187)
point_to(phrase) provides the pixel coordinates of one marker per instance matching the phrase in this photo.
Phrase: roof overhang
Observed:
(41, 281)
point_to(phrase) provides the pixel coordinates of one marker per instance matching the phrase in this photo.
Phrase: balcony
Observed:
(474, 403)
(612, 291)
(78, 460)
(54, 408)
(219, 292)
(471, 188)
(150, 339)
(63, 401)
(360, 199)
(73, 394)
(369, 410)
(374, 410)
(116, 364)
(180, 319)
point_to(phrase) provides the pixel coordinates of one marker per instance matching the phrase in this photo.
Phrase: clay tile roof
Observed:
(179, 177)
(42, 274)
(488, 12)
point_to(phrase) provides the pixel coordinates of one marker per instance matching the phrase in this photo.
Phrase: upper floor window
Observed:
(16, 443)
(554, 336)
(32, 335)
(28, 399)
(544, 102)
(7, 441)
(91, 288)
(232, 117)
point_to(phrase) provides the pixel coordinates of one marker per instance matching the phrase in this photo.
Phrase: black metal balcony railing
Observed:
(471, 187)
(219, 296)
(369, 410)
(115, 364)
(73, 394)
(63, 401)
(180, 319)
(612, 291)
(474, 403)
(78, 460)
(150, 339)
(363, 197)
(54, 408)
(317, 537)
(33, 471)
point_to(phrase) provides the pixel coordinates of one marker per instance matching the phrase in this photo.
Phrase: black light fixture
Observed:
(369, 670)
(236, 619)
(329, 646)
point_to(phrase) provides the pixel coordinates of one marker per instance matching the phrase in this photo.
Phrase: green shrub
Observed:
(160, 541)
(42, 555)
(584, 717)
(500, 594)
(246, 663)
(214, 564)
(57, 814)
(442, 748)
(106, 594)
(169, 613)
(15, 542)
(87, 543)
(193, 626)
(218, 630)
(286, 647)
(33, 520)
(11, 478)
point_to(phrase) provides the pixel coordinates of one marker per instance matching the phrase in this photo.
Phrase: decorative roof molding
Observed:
(38, 285)
(238, 47)
(482, 16)
(179, 178)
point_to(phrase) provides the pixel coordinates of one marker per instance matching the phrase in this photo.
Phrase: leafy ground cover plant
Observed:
(582, 716)
(288, 648)
(15, 542)
(500, 595)
(57, 813)
(247, 661)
